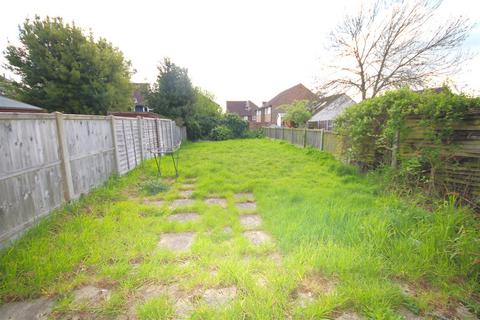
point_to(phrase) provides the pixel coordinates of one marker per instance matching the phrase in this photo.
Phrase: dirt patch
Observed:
(38, 309)
(244, 196)
(186, 193)
(219, 296)
(246, 206)
(251, 221)
(216, 201)
(311, 286)
(408, 315)
(257, 237)
(183, 217)
(228, 230)
(176, 241)
(349, 316)
(91, 295)
(181, 203)
(276, 257)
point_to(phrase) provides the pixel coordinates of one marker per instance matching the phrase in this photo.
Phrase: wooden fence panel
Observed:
(47, 159)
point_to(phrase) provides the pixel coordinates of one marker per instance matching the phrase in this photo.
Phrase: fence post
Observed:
(283, 133)
(115, 145)
(68, 191)
(140, 137)
(322, 138)
(396, 143)
(305, 138)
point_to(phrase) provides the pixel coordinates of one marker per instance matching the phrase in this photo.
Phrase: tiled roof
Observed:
(242, 108)
(298, 92)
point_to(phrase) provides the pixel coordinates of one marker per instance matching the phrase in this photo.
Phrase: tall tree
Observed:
(173, 94)
(62, 69)
(395, 43)
(205, 115)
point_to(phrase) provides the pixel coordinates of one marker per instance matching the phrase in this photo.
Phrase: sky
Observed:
(237, 50)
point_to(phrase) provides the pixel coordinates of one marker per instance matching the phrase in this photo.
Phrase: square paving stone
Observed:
(186, 193)
(181, 203)
(183, 217)
(244, 196)
(158, 203)
(219, 296)
(38, 309)
(246, 206)
(187, 186)
(257, 237)
(217, 201)
(90, 294)
(250, 221)
(176, 241)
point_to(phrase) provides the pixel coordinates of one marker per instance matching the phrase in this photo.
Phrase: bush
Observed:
(237, 125)
(221, 132)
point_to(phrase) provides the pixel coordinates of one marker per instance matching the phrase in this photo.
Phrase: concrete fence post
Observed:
(64, 156)
(140, 137)
(115, 145)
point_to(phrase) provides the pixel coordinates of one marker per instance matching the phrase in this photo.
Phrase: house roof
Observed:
(10, 105)
(297, 92)
(242, 108)
(328, 108)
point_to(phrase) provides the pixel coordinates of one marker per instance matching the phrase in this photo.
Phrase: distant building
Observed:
(270, 113)
(245, 109)
(139, 99)
(10, 105)
(327, 109)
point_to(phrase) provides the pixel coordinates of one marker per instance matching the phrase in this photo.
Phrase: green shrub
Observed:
(221, 132)
(237, 125)
(155, 186)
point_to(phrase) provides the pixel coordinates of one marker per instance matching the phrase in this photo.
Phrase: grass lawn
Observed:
(340, 245)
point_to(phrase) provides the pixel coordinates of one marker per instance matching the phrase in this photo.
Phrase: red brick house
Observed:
(270, 113)
(245, 109)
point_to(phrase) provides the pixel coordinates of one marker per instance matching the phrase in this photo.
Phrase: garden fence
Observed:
(317, 138)
(48, 159)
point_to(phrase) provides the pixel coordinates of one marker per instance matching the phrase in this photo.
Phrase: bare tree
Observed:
(393, 44)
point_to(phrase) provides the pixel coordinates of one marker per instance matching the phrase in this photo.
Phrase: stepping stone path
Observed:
(247, 206)
(220, 296)
(90, 294)
(181, 203)
(257, 237)
(176, 241)
(183, 217)
(217, 201)
(158, 203)
(250, 221)
(311, 287)
(186, 193)
(188, 186)
(248, 196)
(38, 309)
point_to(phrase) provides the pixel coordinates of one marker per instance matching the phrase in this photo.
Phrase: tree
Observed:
(297, 113)
(395, 43)
(62, 69)
(7, 88)
(204, 116)
(173, 94)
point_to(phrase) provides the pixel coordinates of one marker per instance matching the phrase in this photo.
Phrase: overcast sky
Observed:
(237, 50)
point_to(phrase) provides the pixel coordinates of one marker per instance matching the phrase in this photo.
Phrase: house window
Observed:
(245, 118)
(268, 110)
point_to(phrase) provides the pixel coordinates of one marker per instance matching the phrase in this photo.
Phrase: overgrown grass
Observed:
(325, 218)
